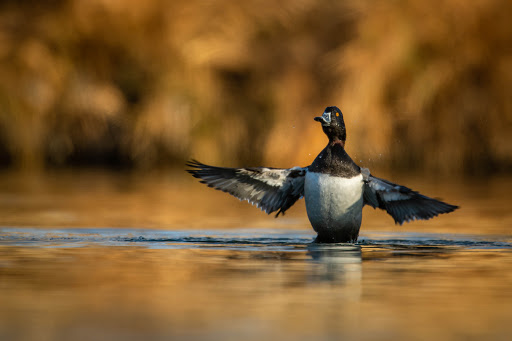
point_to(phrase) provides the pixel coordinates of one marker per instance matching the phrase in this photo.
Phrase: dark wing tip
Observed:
(194, 164)
(425, 209)
(402, 203)
(451, 208)
(200, 170)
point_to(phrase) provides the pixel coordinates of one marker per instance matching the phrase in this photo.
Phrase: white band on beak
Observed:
(327, 117)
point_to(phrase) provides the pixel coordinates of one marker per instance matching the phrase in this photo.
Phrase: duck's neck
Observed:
(336, 141)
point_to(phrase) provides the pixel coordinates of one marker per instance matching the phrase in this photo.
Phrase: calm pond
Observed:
(106, 256)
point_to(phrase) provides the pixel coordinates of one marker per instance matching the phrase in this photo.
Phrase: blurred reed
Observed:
(423, 85)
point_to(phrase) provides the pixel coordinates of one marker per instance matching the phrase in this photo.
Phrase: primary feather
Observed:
(270, 189)
(402, 203)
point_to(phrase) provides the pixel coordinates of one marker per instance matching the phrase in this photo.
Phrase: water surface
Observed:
(101, 257)
(109, 284)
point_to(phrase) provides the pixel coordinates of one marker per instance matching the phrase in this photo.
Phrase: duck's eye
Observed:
(337, 114)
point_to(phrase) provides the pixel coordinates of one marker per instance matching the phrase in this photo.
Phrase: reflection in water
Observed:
(340, 263)
(123, 284)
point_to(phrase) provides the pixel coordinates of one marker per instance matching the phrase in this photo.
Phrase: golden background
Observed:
(424, 86)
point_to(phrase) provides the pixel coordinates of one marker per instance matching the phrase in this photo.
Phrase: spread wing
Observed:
(270, 189)
(402, 203)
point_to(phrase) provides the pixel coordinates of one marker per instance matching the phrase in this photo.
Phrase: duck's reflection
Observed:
(339, 263)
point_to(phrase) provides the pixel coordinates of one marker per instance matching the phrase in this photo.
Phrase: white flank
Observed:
(333, 202)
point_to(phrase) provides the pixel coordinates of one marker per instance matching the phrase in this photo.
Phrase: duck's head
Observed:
(333, 124)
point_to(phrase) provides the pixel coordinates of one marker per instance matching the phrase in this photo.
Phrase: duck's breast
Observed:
(333, 202)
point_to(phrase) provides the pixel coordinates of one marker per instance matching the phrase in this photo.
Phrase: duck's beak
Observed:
(325, 119)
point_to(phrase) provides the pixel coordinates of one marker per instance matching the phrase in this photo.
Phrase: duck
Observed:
(334, 187)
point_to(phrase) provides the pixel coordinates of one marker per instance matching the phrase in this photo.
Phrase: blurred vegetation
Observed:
(423, 85)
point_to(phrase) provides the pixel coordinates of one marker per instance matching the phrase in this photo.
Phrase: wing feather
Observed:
(270, 189)
(402, 203)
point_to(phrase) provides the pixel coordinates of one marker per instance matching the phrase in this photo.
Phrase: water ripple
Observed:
(246, 239)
